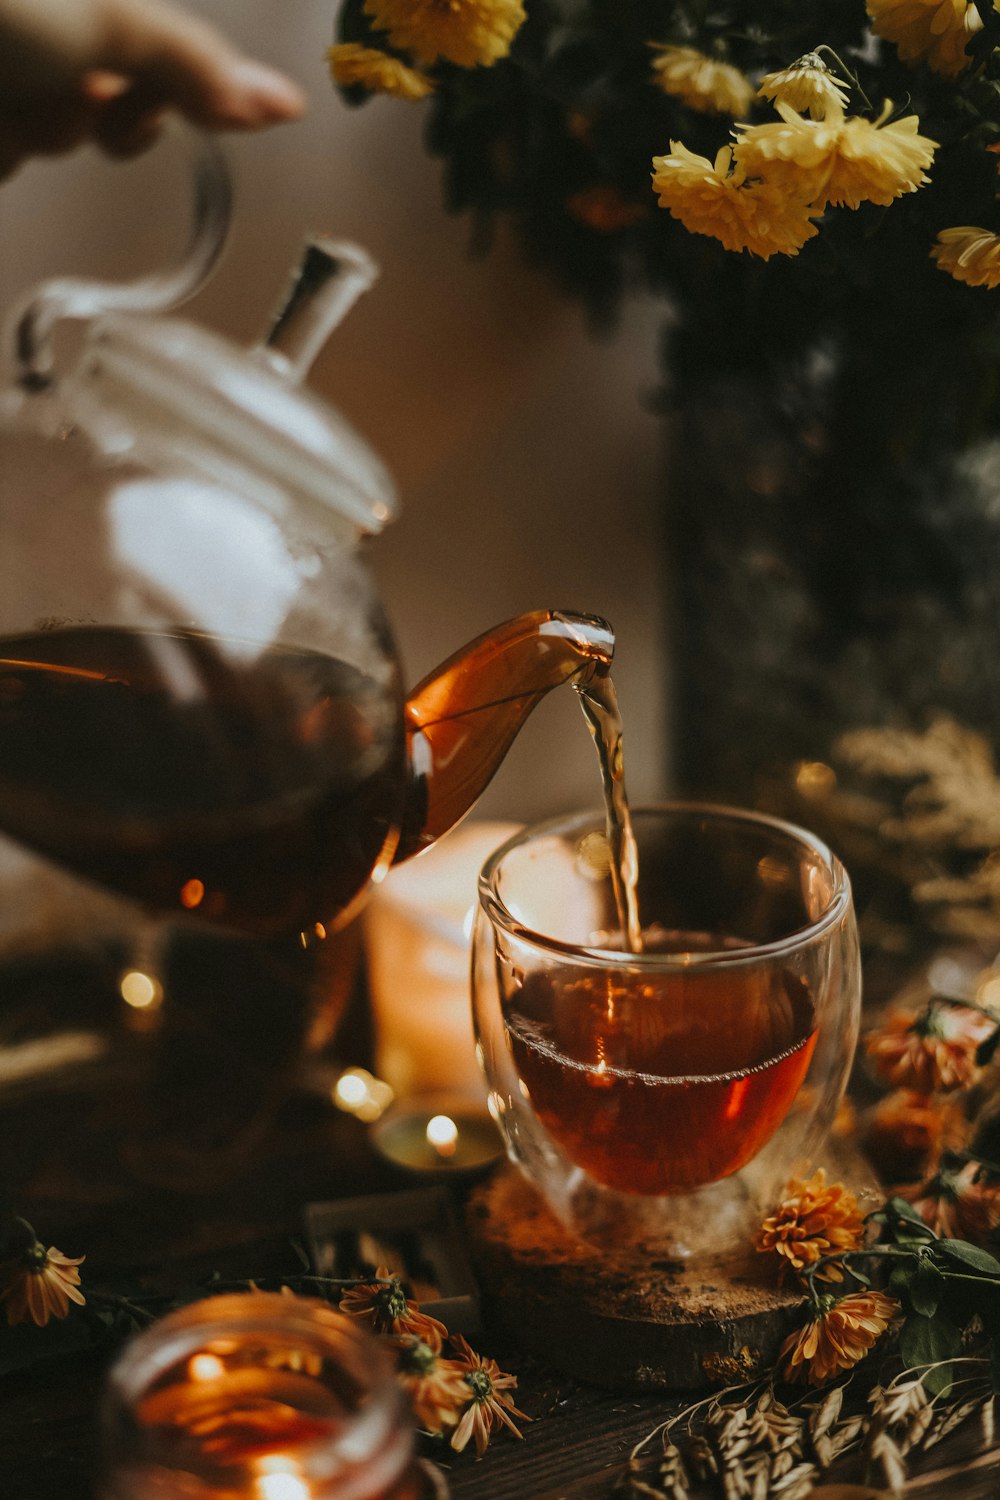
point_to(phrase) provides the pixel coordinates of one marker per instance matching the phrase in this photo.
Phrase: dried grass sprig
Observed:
(940, 812)
(723, 1446)
(955, 797)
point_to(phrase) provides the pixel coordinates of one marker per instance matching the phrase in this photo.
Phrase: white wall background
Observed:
(528, 467)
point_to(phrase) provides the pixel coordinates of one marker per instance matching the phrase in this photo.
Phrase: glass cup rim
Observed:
(493, 907)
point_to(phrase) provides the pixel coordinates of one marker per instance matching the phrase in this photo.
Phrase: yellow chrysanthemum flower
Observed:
(350, 63)
(969, 254)
(837, 160)
(932, 31)
(469, 33)
(840, 1333)
(809, 86)
(700, 82)
(814, 1221)
(710, 198)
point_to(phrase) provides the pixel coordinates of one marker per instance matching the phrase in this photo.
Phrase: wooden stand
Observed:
(625, 1319)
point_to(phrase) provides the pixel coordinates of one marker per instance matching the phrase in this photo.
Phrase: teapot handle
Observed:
(31, 327)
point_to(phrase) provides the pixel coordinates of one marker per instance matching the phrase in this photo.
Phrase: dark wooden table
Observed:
(158, 1241)
(59, 1156)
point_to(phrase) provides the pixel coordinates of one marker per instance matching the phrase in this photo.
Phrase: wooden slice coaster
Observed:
(629, 1320)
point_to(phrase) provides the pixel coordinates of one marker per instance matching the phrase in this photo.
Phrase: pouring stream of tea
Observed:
(599, 702)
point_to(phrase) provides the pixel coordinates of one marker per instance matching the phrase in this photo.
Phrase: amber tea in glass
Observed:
(700, 1068)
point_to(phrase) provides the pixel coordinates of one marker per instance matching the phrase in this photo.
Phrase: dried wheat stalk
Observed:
(756, 1448)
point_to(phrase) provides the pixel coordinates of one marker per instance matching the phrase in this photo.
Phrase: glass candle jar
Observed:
(257, 1396)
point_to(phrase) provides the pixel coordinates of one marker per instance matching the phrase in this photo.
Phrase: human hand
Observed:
(109, 70)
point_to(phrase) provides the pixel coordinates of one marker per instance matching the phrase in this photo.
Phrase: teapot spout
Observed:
(462, 719)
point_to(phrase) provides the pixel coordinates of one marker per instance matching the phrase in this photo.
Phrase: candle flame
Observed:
(139, 990)
(280, 1478)
(442, 1132)
(205, 1367)
(359, 1093)
(351, 1090)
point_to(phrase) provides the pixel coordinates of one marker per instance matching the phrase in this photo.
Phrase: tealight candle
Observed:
(257, 1396)
(439, 1134)
(418, 931)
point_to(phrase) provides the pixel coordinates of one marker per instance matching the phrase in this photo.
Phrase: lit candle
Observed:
(281, 1479)
(418, 932)
(438, 1135)
(255, 1396)
(442, 1132)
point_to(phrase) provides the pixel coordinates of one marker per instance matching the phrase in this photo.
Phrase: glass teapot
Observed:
(200, 702)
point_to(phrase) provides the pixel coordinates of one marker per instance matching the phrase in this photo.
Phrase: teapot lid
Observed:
(177, 385)
(179, 382)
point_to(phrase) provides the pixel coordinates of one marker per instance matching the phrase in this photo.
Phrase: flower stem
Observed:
(855, 80)
(341, 1283)
(143, 1313)
(123, 1304)
(873, 1251)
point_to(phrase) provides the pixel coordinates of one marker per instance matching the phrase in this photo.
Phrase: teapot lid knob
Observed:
(329, 279)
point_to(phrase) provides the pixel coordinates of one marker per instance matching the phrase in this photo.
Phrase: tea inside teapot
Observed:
(256, 790)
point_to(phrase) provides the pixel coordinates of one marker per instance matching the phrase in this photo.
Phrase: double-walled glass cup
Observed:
(666, 1095)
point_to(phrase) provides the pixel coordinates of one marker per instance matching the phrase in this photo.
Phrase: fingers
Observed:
(44, 127)
(131, 124)
(184, 61)
(108, 70)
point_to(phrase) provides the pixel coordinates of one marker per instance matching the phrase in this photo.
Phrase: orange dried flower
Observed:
(489, 1405)
(908, 1131)
(40, 1284)
(962, 1205)
(815, 1219)
(838, 1337)
(436, 1387)
(385, 1307)
(931, 1051)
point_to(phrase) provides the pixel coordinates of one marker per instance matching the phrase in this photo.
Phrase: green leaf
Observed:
(903, 1268)
(969, 1255)
(925, 1290)
(903, 1222)
(926, 1341)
